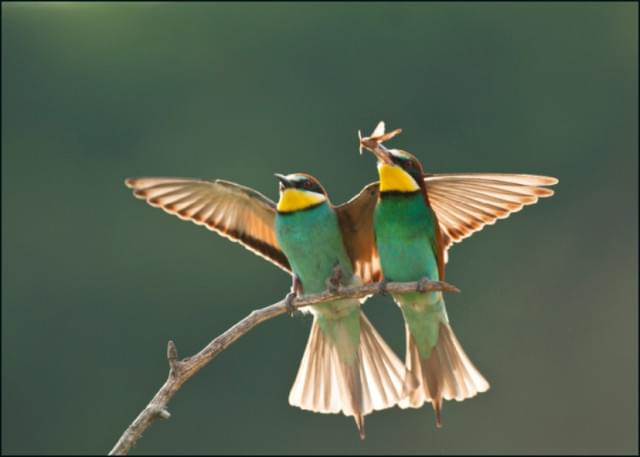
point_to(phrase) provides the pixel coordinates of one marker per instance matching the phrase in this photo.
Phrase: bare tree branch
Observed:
(180, 371)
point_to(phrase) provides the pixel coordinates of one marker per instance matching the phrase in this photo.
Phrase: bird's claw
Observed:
(334, 281)
(288, 301)
(423, 285)
(382, 287)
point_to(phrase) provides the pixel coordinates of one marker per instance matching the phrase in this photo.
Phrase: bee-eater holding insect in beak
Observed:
(346, 367)
(417, 218)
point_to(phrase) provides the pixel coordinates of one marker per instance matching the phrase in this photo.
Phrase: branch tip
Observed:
(450, 287)
(172, 356)
(172, 352)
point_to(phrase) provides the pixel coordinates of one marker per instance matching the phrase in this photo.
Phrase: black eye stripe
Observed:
(307, 184)
(401, 161)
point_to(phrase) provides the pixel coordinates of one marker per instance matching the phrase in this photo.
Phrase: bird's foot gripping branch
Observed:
(180, 371)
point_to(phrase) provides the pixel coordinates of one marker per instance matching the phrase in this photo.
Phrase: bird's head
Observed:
(299, 191)
(399, 170)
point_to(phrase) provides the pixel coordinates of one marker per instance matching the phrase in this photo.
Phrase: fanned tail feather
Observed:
(373, 379)
(447, 374)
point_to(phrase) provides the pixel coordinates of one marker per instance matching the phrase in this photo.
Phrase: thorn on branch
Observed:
(164, 413)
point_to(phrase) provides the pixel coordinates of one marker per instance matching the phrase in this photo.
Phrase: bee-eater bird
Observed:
(417, 217)
(346, 366)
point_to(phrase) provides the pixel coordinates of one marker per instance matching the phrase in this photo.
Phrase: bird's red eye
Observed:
(306, 185)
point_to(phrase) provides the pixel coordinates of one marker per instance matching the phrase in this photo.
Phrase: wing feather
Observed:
(465, 202)
(236, 212)
(356, 222)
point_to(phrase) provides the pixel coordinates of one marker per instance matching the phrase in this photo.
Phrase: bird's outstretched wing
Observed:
(356, 222)
(236, 212)
(465, 202)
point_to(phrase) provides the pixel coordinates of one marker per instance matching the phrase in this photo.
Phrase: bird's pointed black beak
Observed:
(283, 180)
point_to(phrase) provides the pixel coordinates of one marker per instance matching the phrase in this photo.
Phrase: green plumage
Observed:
(312, 241)
(405, 237)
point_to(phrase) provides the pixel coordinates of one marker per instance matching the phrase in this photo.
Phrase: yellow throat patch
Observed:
(394, 178)
(296, 199)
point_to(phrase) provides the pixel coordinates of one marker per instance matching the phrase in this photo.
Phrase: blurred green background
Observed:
(95, 282)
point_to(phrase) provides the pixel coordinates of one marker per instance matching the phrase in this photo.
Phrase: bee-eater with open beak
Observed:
(346, 367)
(417, 217)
